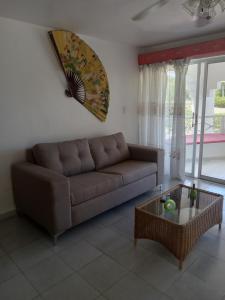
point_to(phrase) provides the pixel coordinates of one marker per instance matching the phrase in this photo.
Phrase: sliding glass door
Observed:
(191, 116)
(212, 144)
(205, 119)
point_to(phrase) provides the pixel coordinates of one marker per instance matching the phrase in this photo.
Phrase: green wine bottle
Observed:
(193, 194)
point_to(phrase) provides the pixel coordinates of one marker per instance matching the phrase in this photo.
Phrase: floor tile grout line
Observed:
(53, 285)
(213, 256)
(102, 292)
(102, 254)
(85, 265)
(53, 253)
(24, 275)
(18, 248)
(195, 275)
(64, 279)
(106, 253)
(73, 243)
(128, 271)
(27, 278)
(203, 281)
(132, 273)
(20, 271)
(102, 250)
(2, 249)
(10, 255)
(28, 245)
(112, 258)
(148, 283)
(10, 278)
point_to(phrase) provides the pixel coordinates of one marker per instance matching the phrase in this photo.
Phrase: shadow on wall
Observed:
(7, 157)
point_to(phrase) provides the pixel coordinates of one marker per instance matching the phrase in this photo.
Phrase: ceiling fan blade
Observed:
(142, 14)
(201, 22)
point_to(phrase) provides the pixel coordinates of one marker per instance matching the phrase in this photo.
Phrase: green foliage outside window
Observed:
(219, 100)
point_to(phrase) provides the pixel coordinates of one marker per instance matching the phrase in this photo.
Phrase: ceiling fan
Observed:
(202, 11)
(143, 13)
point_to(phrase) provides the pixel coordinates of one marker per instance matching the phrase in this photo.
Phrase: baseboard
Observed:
(8, 214)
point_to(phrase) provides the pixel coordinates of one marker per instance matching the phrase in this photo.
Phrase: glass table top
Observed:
(187, 207)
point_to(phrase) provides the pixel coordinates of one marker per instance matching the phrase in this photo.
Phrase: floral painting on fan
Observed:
(85, 74)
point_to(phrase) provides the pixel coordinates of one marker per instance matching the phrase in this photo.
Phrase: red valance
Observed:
(210, 48)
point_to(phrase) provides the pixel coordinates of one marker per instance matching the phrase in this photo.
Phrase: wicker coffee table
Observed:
(178, 230)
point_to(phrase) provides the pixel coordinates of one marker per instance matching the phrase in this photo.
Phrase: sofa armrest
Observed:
(43, 195)
(147, 153)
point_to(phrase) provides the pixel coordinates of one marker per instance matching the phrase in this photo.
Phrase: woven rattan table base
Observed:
(179, 239)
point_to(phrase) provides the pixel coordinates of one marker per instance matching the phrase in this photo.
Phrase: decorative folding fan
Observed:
(85, 74)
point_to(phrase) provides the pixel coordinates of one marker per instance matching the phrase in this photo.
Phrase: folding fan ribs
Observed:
(86, 77)
(76, 88)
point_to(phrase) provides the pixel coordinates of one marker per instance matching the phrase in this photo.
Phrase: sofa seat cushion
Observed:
(109, 150)
(86, 186)
(68, 158)
(131, 170)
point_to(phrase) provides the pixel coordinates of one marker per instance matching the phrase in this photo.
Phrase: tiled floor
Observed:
(212, 167)
(97, 260)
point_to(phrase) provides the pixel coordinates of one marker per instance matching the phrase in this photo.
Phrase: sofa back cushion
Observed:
(68, 158)
(109, 150)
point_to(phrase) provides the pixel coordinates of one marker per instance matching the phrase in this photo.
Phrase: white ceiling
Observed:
(111, 19)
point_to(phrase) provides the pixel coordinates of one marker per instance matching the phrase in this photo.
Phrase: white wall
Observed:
(180, 43)
(33, 107)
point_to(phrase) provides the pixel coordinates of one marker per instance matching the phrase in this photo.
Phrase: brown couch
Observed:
(69, 182)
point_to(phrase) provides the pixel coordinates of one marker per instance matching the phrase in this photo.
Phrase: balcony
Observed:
(213, 156)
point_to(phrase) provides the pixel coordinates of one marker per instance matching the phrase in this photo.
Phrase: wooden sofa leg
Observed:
(55, 239)
(19, 213)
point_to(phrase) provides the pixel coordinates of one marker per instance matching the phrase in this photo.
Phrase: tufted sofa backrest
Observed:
(68, 158)
(109, 150)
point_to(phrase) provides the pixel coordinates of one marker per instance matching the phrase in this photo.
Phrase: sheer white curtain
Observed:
(177, 160)
(162, 112)
(152, 94)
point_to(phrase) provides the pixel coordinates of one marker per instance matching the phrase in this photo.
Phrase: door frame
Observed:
(195, 121)
(207, 62)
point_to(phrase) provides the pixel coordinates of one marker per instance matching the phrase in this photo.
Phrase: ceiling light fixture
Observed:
(203, 9)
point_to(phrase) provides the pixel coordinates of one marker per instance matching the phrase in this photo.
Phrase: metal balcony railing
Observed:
(213, 124)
